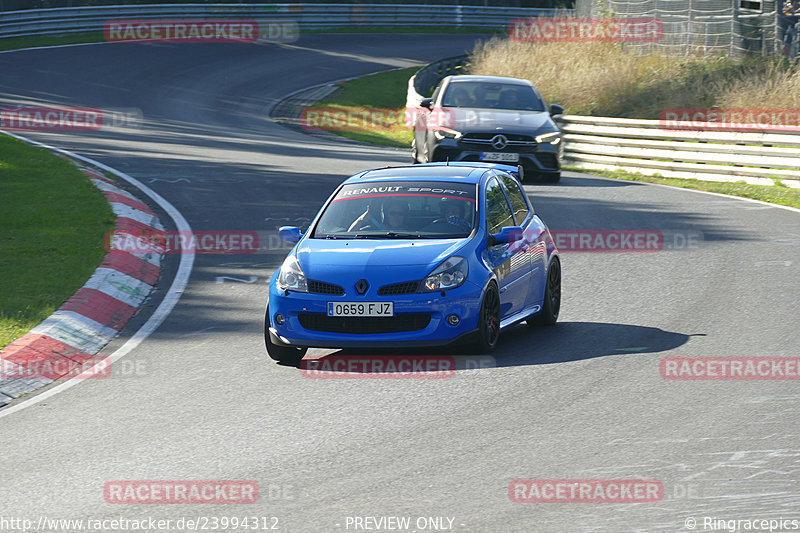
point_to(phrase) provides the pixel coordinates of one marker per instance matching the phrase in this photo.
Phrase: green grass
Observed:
(383, 91)
(395, 139)
(51, 234)
(776, 194)
(15, 43)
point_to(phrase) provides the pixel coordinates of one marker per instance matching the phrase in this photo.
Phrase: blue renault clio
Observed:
(422, 255)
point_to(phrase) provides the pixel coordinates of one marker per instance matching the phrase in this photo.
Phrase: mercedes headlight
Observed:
(291, 276)
(446, 133)
(552, 138)
(448, 275)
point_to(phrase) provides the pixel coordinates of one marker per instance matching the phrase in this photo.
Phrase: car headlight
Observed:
(552, 138)
(448, 275)
(446, 133)
(291, 276)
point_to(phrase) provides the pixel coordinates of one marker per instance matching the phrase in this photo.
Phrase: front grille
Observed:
(409, 287)
(365, 325)
(322, 287)
(483, 142)
(487, 137)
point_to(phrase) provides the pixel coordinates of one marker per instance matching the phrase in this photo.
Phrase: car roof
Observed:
(467, 172)
(491, 79)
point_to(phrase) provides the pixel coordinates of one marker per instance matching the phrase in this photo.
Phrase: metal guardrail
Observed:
(307, 16)
(648, 147)
(428, 77)
(710, 154)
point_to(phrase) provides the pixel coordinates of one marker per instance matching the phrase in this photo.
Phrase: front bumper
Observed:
(463, 301)
(545, 158)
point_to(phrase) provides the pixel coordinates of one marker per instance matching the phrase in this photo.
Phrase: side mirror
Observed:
(427, 103)
(290, 233)
(507, 234)
(556, 109)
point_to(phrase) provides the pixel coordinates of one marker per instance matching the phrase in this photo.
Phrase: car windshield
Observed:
(492, 95)
(400, 210)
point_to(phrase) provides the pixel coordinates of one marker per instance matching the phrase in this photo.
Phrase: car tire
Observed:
(488, 321)
(554, 177)
(288, 355)
(552, 297)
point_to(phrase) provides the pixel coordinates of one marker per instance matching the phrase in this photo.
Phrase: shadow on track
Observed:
(521, 346)
(575, 341)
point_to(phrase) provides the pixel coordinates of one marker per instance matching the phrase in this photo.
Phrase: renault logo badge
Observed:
(362, 286)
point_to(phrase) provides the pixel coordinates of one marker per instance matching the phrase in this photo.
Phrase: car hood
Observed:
(385, 260)
(467, 119)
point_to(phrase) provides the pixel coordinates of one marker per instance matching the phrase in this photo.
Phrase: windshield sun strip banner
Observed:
(411, 188)
(416, 195)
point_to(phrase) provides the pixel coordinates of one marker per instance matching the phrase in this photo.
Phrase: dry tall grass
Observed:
(608, 80)
(768, 86)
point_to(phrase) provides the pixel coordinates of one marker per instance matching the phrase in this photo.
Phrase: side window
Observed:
(498, 213)
(516, 197)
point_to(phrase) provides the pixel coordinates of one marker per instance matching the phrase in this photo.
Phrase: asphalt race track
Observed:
(582, 400)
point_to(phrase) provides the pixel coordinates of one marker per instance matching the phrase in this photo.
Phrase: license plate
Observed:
(360, 308)
(500, 156)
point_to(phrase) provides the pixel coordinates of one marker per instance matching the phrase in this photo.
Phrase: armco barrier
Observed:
(758, 155)
(646, 146)
(425, 79)
(306, 16)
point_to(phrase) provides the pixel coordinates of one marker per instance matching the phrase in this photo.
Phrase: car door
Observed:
(509, 261)
(532, 241)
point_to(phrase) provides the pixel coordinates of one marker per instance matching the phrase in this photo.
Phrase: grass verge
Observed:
(53, 220)
(16, 43)
(364, 98)
(766, 193)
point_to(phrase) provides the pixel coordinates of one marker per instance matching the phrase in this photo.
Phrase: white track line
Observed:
(165, 307)
(68, 45)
